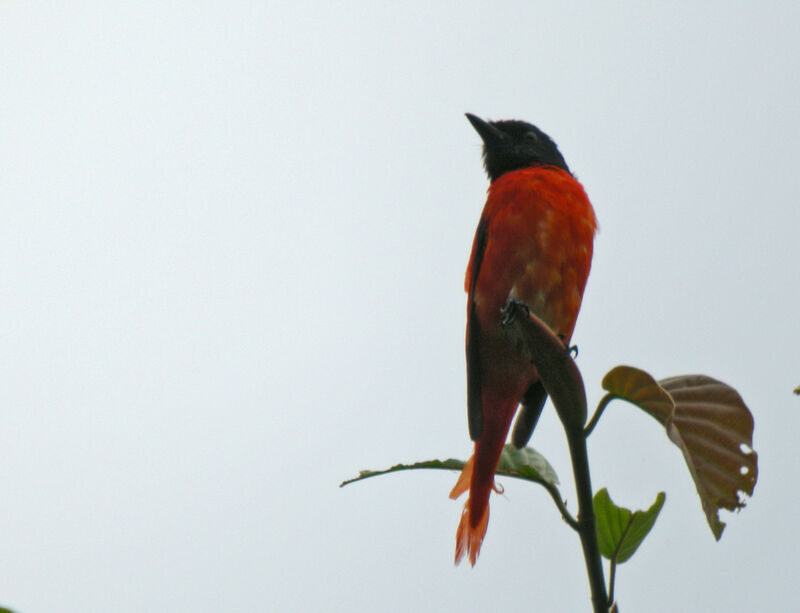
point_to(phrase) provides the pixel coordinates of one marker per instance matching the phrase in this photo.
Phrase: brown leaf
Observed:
(714, 429)
(639, 388)
(711, 425)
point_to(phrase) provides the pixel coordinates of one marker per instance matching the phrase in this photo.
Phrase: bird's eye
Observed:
(531, 136)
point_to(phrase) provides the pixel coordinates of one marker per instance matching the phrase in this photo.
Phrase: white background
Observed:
(232, 249)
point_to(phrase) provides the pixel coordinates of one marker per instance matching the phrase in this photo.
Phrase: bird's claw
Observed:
(572, 350)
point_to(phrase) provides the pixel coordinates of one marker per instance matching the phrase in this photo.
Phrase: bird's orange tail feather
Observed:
(468, 537)
(470, 531)
(475, 516)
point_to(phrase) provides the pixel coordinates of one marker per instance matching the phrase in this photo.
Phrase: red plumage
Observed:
(534, 243)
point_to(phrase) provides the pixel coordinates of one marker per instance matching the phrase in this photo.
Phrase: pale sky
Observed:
(232, 255)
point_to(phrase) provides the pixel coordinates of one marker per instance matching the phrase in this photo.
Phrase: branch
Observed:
(587, 528)
(528, 470)
(563, 382)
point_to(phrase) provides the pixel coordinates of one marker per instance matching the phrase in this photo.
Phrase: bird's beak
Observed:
(490, 135)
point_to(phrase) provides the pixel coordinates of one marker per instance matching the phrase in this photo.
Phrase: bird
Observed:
(533, 244)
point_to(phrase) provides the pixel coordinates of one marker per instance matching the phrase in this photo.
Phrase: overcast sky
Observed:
(232, 253)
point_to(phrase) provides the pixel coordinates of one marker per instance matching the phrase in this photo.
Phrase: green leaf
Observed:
(526, 463)
(620, 531)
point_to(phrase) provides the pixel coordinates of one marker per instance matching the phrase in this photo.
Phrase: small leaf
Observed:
(619, 531)
(526, 463)
(713, 428)
(639, 388)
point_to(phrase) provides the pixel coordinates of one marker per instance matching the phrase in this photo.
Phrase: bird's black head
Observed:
(511, 144)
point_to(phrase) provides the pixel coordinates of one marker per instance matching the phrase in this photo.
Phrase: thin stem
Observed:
(612, 575)
(598, 412)
(556, 495)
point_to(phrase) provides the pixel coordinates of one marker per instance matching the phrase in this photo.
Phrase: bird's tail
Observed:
(477, 476)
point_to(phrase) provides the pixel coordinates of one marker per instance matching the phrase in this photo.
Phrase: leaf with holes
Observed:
(620, 531)
(711, 425)
(713, 428)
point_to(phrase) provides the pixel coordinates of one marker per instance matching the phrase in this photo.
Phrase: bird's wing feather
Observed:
(474, 401)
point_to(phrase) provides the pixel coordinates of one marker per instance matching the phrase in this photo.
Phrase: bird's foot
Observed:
(510, 311)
